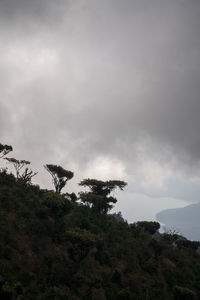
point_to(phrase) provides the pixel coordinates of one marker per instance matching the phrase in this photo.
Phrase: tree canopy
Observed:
(27, 174)
(98, 197)
(60, 176)
(5, 149)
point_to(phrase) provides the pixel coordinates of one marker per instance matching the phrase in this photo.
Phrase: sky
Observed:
(108, 89)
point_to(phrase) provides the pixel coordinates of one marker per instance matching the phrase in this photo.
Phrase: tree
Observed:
(60, 176)
(5, 149)
(149, 226)
(27, 174)
(72, 197)
(98, 197)
(118, 216)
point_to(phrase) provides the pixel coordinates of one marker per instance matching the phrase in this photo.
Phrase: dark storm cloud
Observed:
(83, 79)
(16, 12)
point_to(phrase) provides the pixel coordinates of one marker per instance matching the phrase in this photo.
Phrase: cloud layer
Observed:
(102, 86)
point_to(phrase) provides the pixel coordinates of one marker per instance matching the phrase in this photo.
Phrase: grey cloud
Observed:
(114, 75)
(37, 11)
(4, 121)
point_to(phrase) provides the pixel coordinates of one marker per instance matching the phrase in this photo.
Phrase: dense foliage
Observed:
(5, 149)
(59, 175)
(54, 248)
(98, 198)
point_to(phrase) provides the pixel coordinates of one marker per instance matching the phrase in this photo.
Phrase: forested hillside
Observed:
(54, 247)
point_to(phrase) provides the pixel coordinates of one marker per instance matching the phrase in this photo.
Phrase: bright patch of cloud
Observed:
(105, 168)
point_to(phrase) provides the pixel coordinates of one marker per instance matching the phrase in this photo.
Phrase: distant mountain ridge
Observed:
(186, 220)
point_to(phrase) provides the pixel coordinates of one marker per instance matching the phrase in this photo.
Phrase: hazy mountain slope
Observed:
(186, 220)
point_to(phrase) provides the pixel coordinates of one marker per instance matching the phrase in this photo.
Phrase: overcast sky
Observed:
(108, 89)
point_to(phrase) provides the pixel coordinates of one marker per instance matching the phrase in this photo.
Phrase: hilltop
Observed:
(54, 248)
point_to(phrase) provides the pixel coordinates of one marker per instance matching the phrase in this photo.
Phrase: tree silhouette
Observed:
(60, 176)
(98, 197)
(18, 165)
(4, 150)
(27, 175)
(72, 197)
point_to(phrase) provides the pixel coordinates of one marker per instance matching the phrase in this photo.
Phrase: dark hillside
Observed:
(53, 248)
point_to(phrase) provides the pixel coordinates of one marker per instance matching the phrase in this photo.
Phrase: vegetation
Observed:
(53, 247)
(150, 227)
(60, 176)
(98, 198)
(4, 149)
(27, 174)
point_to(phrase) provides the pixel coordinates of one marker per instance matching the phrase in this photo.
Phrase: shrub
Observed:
(150, 227)
(182, 293)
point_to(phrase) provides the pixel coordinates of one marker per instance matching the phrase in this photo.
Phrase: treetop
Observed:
(5, 147)
(98, 186)
(16, 161)
(59, 171)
